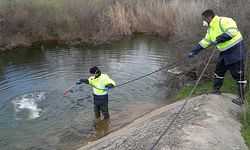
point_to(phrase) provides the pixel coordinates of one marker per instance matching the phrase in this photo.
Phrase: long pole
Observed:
(69, 89)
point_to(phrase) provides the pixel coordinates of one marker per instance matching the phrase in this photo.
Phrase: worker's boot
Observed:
(241, 89)
(217, 85)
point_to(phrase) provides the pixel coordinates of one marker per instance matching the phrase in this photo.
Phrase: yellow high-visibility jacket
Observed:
(99, 84)
(218, 26)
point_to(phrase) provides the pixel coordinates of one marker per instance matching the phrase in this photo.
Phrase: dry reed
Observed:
(103, 21)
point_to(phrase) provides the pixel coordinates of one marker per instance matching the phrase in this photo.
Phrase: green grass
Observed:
(229, 86)
(199, 90)
(245, 120)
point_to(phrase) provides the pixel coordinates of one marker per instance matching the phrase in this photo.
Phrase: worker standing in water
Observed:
(224, 34)
(101, 84)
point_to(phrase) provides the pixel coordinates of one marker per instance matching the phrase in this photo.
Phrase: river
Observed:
(34, 114)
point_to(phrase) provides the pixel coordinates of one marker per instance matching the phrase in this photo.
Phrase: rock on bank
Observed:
(207, 122)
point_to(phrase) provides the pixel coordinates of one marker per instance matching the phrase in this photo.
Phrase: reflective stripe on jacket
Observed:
(99, 84)
(218, 26)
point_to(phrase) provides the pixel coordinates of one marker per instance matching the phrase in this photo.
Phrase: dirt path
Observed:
(207, 122)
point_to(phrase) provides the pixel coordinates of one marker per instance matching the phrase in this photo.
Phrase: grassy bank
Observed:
(95, 21)
(229, 86)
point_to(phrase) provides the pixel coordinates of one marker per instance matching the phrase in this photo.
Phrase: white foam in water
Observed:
(29, 102)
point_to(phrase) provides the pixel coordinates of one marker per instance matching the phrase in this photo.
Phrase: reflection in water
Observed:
(101, 127)
(66, 122)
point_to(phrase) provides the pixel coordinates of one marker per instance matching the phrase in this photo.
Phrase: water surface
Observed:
(34, 114)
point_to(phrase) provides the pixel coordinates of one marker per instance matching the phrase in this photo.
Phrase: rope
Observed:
(197, 82)
(158, 70)
(244, 87)
(163, 68)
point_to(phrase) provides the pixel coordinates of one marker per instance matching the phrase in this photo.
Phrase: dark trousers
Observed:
(101, 108)
(235, 69)
(237, 72)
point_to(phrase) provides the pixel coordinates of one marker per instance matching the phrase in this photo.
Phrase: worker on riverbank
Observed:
(224, 34)
(101, 84)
